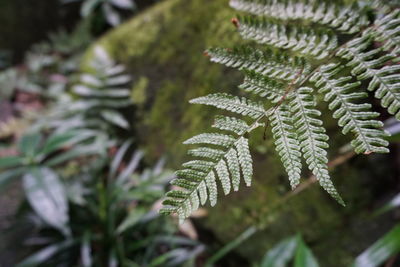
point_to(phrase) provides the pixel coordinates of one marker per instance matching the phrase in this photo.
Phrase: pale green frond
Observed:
(206, 152)
(353, 116)
(200, 165)
(211, 139)
(287, 144)
(224, 177)
(387, 31)
(245, 161)
(273, 65)
(345, 18)
(232, 124)
(312, 137)
(368, 64)
(190, 174)
(239, 105)
(263, 86)
(198, 179)
(234, 168)
(298, 39)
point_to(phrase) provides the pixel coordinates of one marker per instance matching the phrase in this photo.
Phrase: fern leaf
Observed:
(273, 65)
(246, 163)
(232, 103)
(199, 165)
(234, 168)
(190, 174)
(312, 137)
(371, 64)
(211, 139)
(223, 174)
(199, 177)
(287, 144)
(298, 39)
(212, 188)
(348, 19)
(355, 118)
(387, 31)
(206, 152)
(263, 86)
(232, 124)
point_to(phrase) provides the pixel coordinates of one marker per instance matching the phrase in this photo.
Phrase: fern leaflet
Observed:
(356, 118)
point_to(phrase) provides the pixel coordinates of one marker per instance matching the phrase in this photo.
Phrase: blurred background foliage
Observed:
(93, 115)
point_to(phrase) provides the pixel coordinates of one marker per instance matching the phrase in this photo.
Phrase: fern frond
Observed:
(260, 85)
(312, 137)
(200, 165)
(206, 152)
(246, 163)
(287, 144)
(355, 118)
(273, 65)
(387, 31)
(232, 124)
(198, 180)
(211, 139)
(298, 39)
(348, 19)
(242, 106)
(372, 64)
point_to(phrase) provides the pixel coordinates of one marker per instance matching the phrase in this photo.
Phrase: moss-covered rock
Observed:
(163, 48)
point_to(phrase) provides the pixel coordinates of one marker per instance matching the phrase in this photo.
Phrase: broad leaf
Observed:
(111, 15)
(124, 4)
(131, 220)
(86, 251)
(304, 256)
(115, 117)
(394, 203)
(281, 254)
(75, 153)
(46, 194)
(29, 144)
(133, 164)
(118, 158)
(7, 176)
(88, 7)
(9, 162)
(69, 138)
(381, 250)
(40, 257)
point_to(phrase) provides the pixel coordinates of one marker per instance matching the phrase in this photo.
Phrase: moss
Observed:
(138, 92)
(164, 46)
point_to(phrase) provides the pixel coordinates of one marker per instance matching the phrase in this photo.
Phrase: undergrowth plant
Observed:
(340, 50)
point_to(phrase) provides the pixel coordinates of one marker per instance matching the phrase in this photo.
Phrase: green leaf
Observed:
(9, 162)
(131, 219)
(130, 168)
(304, 256)
(112, 16)
(280, 254)
(118, 158)
(88, 7)
(381, 250)
(46, 195)
(45, 254)
(115, 117)
(29, 144)
(86, 255)
(57, 141)
(74, 153)
(7, 176)
(124, 4)
(394, 203)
